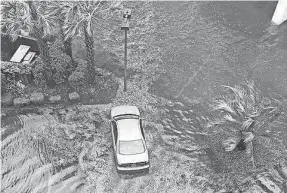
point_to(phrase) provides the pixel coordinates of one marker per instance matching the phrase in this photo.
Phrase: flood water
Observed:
(208, 44)
(204, 45)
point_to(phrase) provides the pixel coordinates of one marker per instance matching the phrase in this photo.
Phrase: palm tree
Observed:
(245, 113)
(67, 43)
(34, 18)
(79, 17)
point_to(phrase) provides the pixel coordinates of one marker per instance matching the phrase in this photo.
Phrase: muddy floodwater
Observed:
(204, 45)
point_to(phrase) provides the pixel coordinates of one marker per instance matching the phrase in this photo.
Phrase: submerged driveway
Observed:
(209, 44)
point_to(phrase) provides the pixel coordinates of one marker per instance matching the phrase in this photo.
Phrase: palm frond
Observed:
(248, 136)
(245, 107)
(229, 118)
(230, 143)
(48, 24)
(78, 15)
(241, 108)
(215, 122)
(247, 123)
(224, 106)
(15, 18)
(237, 91)
(89, 25)
(71, 29)
(74, 19)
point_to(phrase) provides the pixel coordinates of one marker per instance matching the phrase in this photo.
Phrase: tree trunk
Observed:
(89, 43)
(45, 55)
(66, 42)
(250, 153)
(68, 47)
(43, 46)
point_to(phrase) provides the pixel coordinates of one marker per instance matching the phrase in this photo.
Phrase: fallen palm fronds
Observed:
(244, 114)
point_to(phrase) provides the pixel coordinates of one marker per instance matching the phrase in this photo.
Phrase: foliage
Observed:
(3, 83)
(78, 77)
(10, 85)
(14, 67)
(35, 18)
(61, 65)
(39, 73)
(245, 113)
(18, 16)
(79, 18)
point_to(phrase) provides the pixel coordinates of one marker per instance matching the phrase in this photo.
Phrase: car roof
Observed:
(124, 109)
(129, 129)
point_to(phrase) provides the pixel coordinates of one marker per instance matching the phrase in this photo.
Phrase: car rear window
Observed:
(127, 116)
(131, 147)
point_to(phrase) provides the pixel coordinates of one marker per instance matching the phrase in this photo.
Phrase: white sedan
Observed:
(130, 150)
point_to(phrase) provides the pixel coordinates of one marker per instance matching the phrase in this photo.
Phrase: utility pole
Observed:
(125, 26)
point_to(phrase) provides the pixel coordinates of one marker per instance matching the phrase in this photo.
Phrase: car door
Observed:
(115, 135)
(141, 127)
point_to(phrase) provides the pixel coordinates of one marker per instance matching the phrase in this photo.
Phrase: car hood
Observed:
(125, 159)
(125, 109)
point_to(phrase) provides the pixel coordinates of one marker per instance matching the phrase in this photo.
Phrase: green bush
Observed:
(12, 69)
(3, 83)
(15, 68)
(61, 65)
(9, 85)
(78, 77)
(39, 73)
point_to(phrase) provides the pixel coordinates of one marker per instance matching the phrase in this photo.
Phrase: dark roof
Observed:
(9, 47)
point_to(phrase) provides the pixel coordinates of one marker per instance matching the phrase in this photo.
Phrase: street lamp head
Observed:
(125, 25)
(127, 13)
(127, 17)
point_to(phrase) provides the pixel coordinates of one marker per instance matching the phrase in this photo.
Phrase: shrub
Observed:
(10, 85)
(244, 114)
(39, 73)
(12, 69)
(15, 68)
(78, 77)
(3, 83)
(61, 65)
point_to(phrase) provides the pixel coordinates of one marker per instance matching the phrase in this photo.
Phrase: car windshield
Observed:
(127, 116)
(131, 147)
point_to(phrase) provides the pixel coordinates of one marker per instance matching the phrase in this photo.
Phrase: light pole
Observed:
(125, 26)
